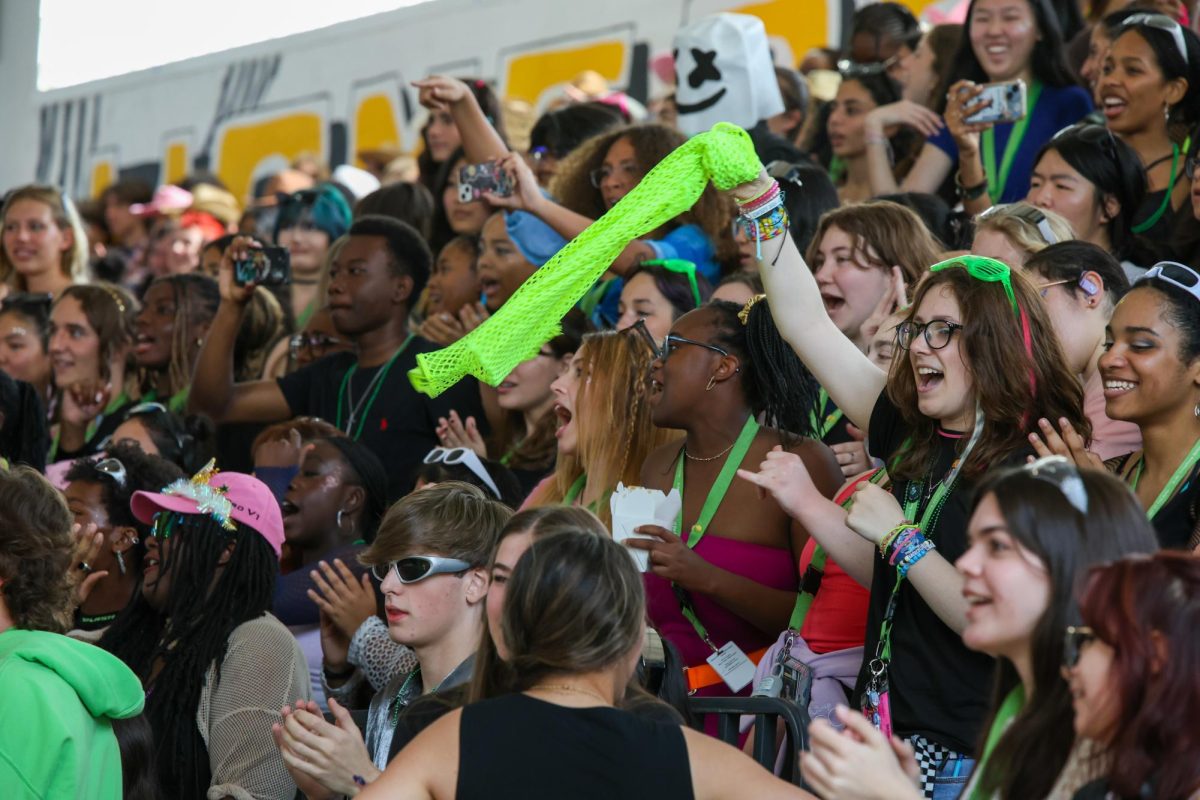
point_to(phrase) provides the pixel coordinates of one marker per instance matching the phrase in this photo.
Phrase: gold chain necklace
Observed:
(710, 458)
(546, 687)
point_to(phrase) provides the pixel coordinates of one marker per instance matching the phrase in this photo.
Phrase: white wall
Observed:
(246, 112)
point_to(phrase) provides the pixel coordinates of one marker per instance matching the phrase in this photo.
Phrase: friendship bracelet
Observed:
(891, 535)
(912, 558)
(763, 228)
(763, 209)
(774, 187)
(904, 542)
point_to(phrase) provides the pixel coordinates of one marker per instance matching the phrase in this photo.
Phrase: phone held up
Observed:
(475, 180)
(267, 266)
(1005, 103)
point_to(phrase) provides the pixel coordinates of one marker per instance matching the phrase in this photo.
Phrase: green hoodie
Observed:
(57, 697)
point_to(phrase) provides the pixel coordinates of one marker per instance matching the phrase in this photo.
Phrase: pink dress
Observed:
(771, 566)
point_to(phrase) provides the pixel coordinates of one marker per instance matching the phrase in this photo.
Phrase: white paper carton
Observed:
(634, 506)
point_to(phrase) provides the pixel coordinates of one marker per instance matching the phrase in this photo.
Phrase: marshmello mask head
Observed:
(724, 73)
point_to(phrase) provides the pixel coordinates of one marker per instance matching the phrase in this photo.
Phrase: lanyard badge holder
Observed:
(876, 700)
(730, 662)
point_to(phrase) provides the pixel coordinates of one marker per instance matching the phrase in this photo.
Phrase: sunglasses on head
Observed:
(1160, 22)
(1074, 638)
(1064, 476)
(467, 457)
(113, 468)
(1093, 134)
(418, 568)
(1176, 274)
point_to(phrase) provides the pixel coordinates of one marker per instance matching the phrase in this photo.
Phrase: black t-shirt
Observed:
(1176, 521)
(939, 688)
(400, 424)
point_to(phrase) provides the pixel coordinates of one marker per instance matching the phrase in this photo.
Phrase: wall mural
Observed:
(245, 114)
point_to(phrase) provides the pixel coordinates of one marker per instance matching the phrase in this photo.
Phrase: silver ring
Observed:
(85, 566)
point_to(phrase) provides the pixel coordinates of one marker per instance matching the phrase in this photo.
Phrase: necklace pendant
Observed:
(697, 529)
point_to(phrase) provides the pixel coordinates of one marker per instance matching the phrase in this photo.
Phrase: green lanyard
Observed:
(576, 489)
(1168, 491)
(709, 510)
(998, 180)
(822, 429)
(373, 389)
(1014, 701)
(810, 582)
(1142, 227)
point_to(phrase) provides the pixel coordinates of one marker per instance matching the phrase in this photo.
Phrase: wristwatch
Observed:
(968, 192)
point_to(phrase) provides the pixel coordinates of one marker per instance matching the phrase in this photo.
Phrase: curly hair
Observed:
(651, 144)
(35, 552)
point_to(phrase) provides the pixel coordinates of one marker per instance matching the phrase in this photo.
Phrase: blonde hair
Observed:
(1026, 226)
(612, 416)
(74, 260)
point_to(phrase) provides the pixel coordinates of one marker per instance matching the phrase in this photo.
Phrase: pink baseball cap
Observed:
(225, 496)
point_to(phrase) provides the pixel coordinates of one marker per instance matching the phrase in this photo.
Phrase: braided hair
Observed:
(189, 634)
(196, 299)
(776, 382)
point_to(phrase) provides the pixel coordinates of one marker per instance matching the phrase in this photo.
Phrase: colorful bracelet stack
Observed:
(904, 546)
(764, 217)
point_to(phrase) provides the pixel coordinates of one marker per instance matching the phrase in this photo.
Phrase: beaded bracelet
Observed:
(913, 557)
(768, 227)
(764, 209)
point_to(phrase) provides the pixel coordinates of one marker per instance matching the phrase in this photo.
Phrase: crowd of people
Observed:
(920, 392)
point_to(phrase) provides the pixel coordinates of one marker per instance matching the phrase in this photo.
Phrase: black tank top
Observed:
(518, 746)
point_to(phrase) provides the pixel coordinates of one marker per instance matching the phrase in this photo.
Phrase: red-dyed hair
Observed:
(1155, 737)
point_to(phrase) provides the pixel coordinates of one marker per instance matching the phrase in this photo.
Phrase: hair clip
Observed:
(209, 499)
(116, 298)
(744, 314)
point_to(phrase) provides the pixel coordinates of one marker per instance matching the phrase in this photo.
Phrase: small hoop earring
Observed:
(1196, 410)
(339, 519)
(711, 382)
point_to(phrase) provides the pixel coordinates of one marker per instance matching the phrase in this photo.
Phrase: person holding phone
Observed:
(1007, 40)
(365, 392)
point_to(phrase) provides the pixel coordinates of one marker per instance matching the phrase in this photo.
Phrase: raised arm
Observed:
(214, 392)
(932, 165)
(480, 140)
(527, 196)
(853, 382)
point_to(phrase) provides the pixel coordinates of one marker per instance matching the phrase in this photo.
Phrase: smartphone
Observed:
(1005, 103)
(268, 266)
(476, 179)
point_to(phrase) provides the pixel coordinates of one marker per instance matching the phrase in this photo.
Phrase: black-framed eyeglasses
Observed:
(1064, 476)
(938, 333)
(1074, 638)
(418, 568)
(113, 468)
(640, 330)
(672, 341)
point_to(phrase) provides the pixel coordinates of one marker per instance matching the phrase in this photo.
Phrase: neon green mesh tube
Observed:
(531, 316)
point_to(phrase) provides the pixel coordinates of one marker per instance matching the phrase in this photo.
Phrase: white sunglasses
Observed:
(463, 455)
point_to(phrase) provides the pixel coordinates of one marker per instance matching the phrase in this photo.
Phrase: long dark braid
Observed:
(189, 635)
(196, 301)
(777, 383)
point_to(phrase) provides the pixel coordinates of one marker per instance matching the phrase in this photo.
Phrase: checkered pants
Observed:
(930, 757)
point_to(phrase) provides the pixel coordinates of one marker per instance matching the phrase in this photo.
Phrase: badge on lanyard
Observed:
(734, 667)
